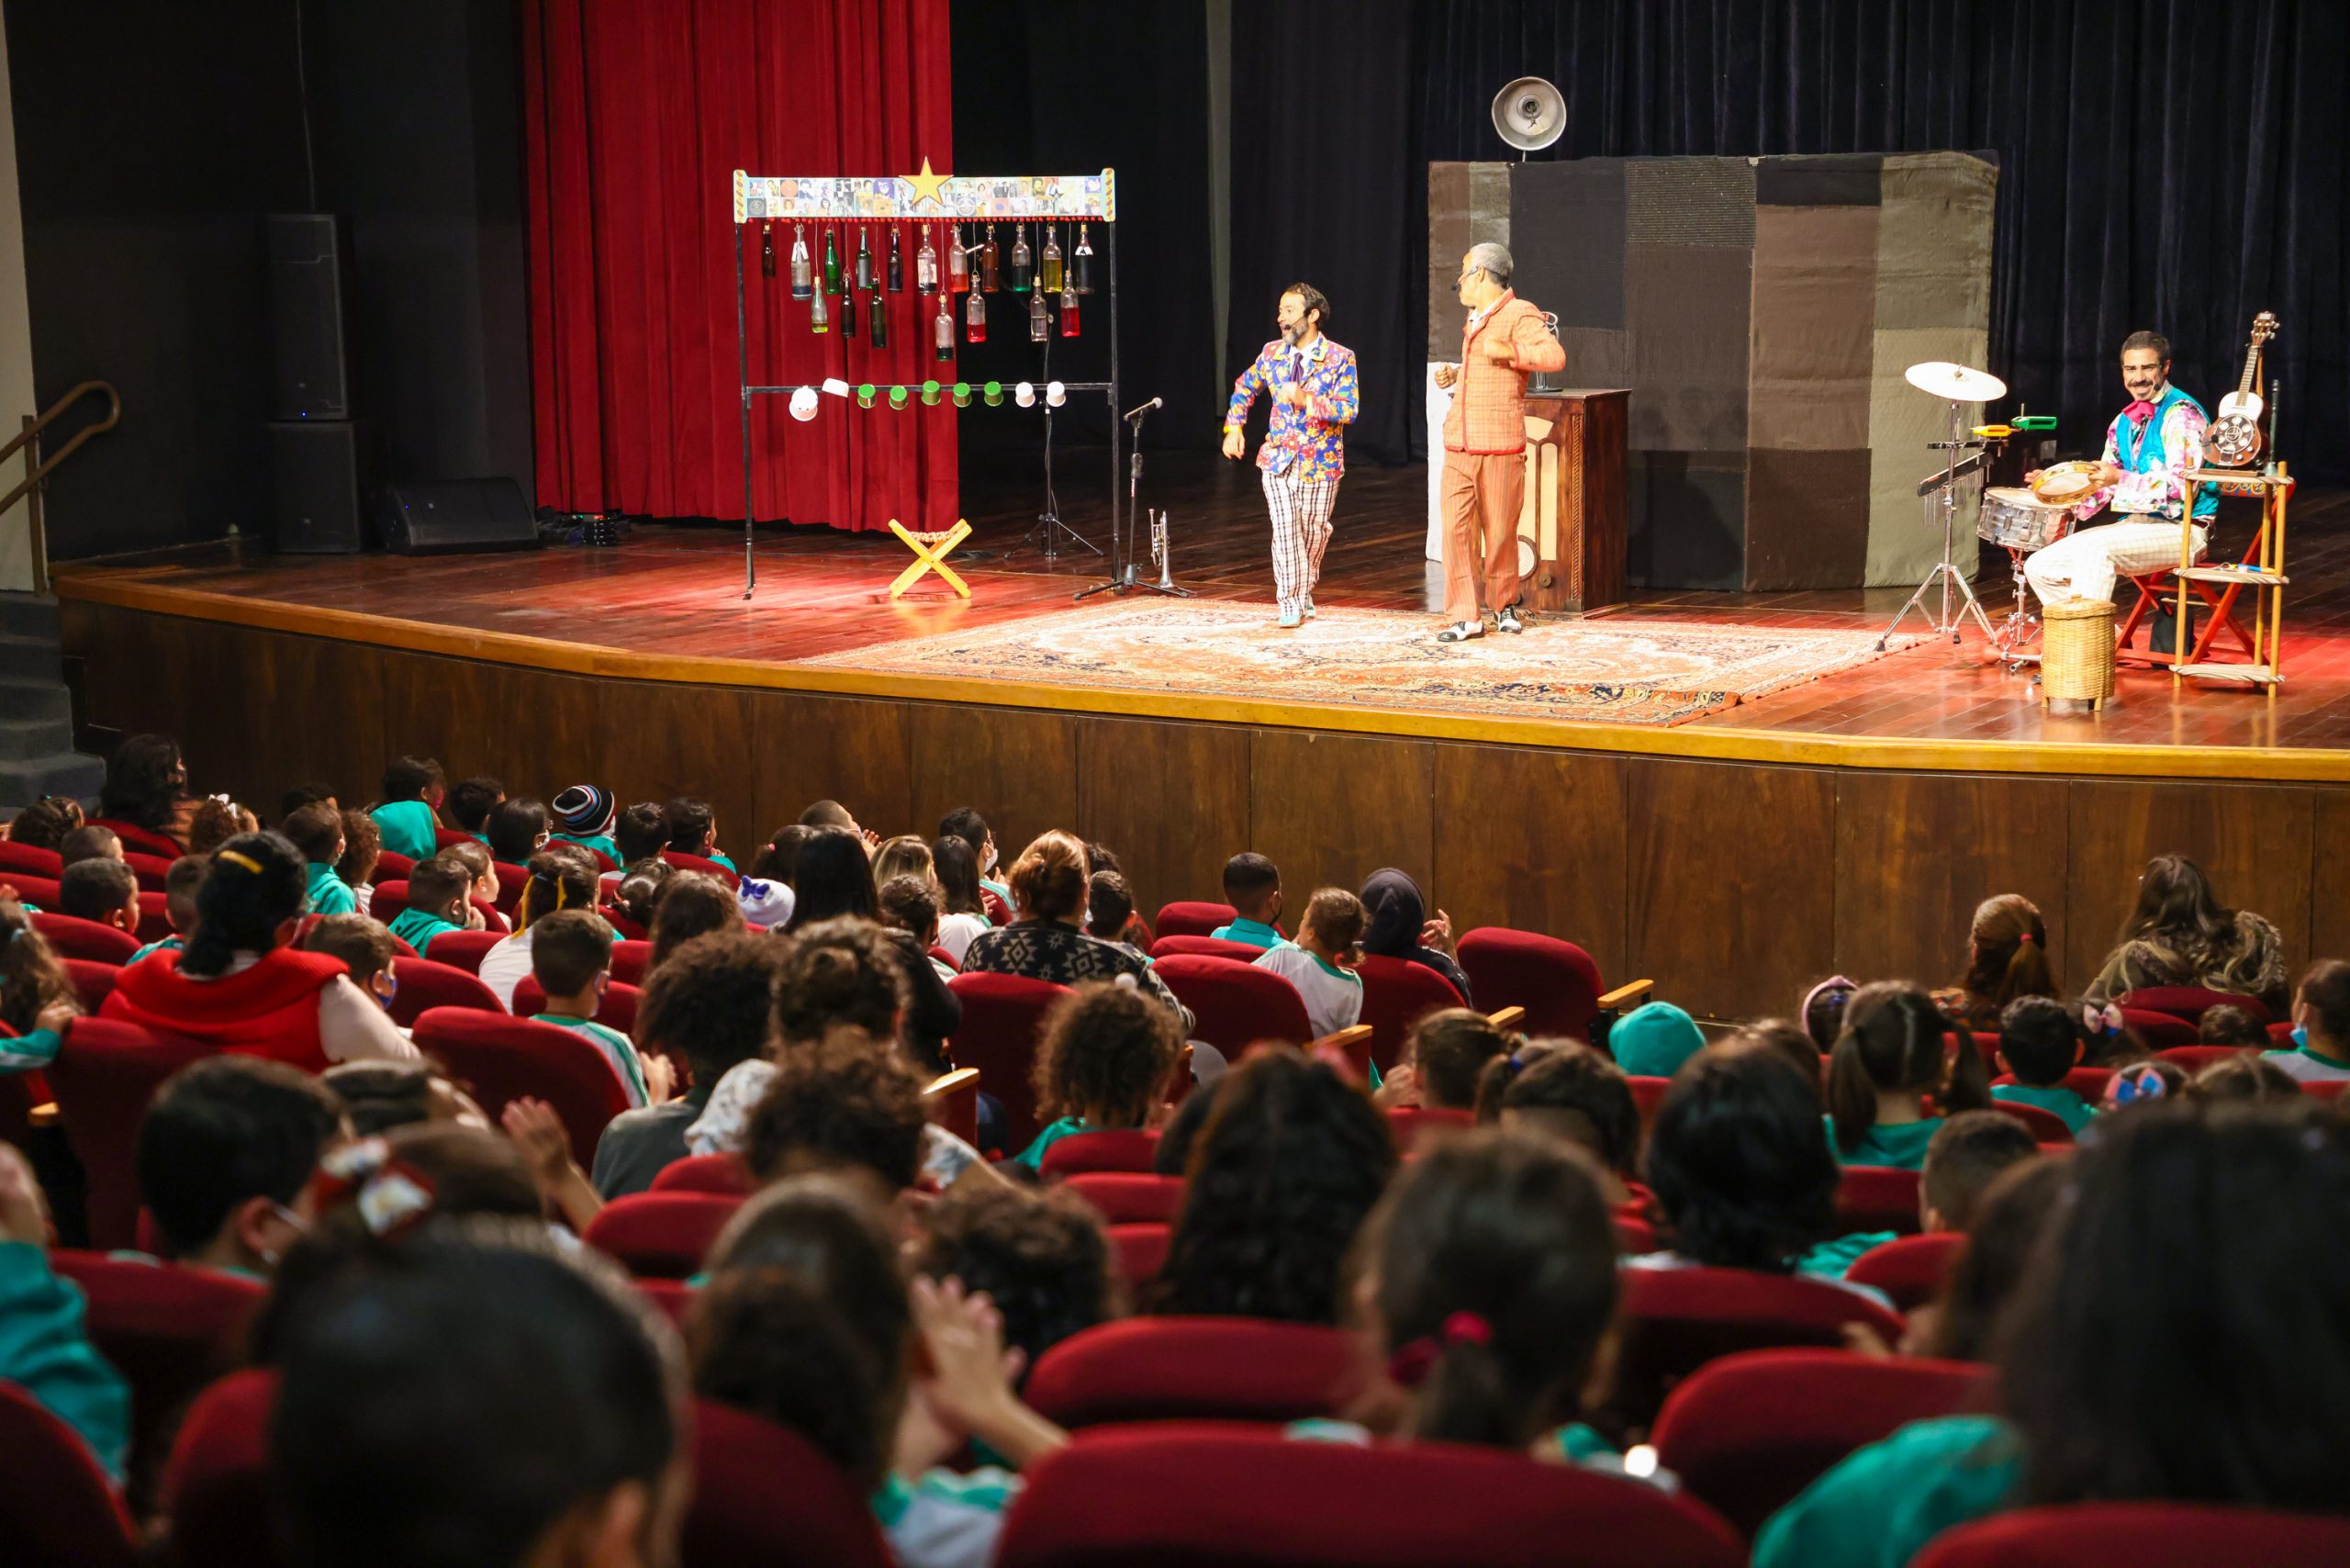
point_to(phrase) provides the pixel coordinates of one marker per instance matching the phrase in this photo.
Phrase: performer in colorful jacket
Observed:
(1315, 399)
(2149, 448)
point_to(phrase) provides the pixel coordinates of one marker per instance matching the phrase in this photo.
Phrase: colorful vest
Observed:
(2141, 454)
(269, 1010)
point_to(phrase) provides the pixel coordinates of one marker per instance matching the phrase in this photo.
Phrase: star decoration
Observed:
(925, 186)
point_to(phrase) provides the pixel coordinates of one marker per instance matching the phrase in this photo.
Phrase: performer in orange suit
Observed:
(1484, 444)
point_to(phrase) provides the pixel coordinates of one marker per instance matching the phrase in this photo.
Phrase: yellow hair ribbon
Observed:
(238, 857)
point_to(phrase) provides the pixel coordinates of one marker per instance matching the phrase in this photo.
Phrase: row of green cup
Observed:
(929, 391)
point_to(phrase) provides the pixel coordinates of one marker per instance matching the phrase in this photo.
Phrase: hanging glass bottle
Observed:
(989, 279)
(926, 265)
(864, 258)
(766, 250)
(803, 279)
(1037, 323)
(1068, 314)
(832, 265)
(849, 313)
(1081, 265)
(959, 264)
(942, 330)
(818, 318)
(877, 311)
(1052, 281)
(975, 317)
(897, 263)
(1023, 264)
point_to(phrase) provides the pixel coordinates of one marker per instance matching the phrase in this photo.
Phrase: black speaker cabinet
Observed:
(309, 314)
(325, 475)
(433, 516)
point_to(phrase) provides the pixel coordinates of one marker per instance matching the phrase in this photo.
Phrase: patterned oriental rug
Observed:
(1614, 670)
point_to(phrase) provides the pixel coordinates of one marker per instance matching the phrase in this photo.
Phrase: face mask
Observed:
(299, 1226)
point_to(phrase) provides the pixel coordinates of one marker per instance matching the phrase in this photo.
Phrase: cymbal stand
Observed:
(1944, 572)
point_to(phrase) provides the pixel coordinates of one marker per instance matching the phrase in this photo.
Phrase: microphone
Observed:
(1134, 417)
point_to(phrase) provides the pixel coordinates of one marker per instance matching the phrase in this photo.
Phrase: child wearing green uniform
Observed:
(317, 831)
(1888, 1064)
(1104, 1062)
(436, 903)
(1252, 885)
(36, 996)
(1967, 1154)
(583, 814)
(571, 957)
(2041, 1042)
(410, 817)
(44, 1348)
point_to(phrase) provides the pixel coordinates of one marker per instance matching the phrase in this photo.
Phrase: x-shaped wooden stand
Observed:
(929, 557)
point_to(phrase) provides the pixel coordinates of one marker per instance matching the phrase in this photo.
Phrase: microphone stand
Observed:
(1122, 579)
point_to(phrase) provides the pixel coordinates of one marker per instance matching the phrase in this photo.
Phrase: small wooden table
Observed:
(2262, 570)
(1570, 527)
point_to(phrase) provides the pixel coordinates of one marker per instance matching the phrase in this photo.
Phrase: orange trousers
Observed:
(1482, 494)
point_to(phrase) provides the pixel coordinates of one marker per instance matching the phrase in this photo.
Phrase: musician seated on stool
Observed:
(2149, 450)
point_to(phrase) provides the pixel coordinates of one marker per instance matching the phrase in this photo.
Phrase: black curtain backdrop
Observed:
(2167, 164)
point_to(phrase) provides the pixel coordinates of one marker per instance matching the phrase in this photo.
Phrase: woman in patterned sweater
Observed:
(1049, 885)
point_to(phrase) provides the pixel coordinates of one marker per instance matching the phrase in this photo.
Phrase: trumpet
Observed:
(1158, 540)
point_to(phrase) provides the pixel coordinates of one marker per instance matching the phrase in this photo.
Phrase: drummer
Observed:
(2149, 450)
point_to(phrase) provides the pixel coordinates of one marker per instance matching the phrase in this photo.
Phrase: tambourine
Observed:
(2065, 484)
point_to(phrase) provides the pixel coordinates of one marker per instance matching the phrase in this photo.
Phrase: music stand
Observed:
(1954, 383)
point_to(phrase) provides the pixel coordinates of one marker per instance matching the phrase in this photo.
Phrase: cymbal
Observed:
(1954, 381)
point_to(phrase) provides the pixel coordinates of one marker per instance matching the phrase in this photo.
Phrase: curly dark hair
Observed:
(713, 1002)
(1104, 1055)
(1042, 1256)
(363, 846)
(690, 904)
(841, 971)
(1292, 1161)
(841, 1103)
(144, 782)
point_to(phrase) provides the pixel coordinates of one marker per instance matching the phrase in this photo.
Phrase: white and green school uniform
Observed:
(327, 893)
(944, 1520)
(1333, 995)
(1901, 1145)
(418, 928)
(174, 943)
(618, 1049)
(601, 843)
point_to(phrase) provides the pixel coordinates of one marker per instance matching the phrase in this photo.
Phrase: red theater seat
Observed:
(1411, 1124)
(140, 839)
(216, 1489)
(38, 891)
(102, 1080)
(1188, 917)
(391, 864)
(463, 950)
(1396, 994)
(763, 1497)
(32, 859)
(1193, 1496)
(425, 984)
(1224, 1369)
(92, 982)
(1140, 1251)
(617, 1010)
(1876, 1197)
(2141, 1535)
(56, 1508)
(2161, 1031)
(666, 1235)
(71, 938)
(1748, 1432)
(504, 1059)
(1676, 1320)
(1124, 1149)
(151, 870)
(1909, 1269)
(685, 862)
(1002, 1015)
(2190, 1002)
(1557, 982)
(1235, 1003)
(1130, 1197)
(2195, 1058)
(2046, 1125)
(1206, 947)
(631, 958)
(723, 1173)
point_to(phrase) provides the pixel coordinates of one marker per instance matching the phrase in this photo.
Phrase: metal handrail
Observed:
(35, 477)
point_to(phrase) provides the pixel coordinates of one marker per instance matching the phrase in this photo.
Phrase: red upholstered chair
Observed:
(723, 1173)
(685, 862)
(1125, 1150)
(763, 1497)
(102, 1080)
(1648, 1093)
(169, 1331)
(1675, 1320)
(445, 837)
(2141, 1535)
(1195, 1495)
(941, 955)
(1188, 917)
(388, 901)
(92, 982)
(154, 917)
(629, 931)
(1205, 946)
(2190, 1002)
(1140, 1251)
(1634, 1234)
(151, 870)
(1220, 1368)
(463, 949)
(427, 983)
(2194, 1058)
(143, 840)
(2161, 1031)
(1748, 1432)
(674, 1297)
(391, 864)
(1235, 1003)
(1876, 1197)
(1396, 994)
(38, 891)
(510, 882)
(664, 1233)
(617, 1011)
(1557, 982)
(32, 859)
(630, 961)
(1129, 1197)
(215, 1489)
(72, 938)
(2326, 1087)
(56, 1508)
(1410, 1123)
(504, 1059)
(1908, 1269)
(1002, 1015)
(2046, 1125)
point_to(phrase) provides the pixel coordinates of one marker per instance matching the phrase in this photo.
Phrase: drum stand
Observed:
(2022, 625)
(1944, 572)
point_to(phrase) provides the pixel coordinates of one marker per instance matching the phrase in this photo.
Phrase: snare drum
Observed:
(2021, 521)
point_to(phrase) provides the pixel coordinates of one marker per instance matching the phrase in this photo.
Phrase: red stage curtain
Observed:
(637, 116)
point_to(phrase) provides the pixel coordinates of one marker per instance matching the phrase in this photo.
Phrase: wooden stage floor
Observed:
(672, 595)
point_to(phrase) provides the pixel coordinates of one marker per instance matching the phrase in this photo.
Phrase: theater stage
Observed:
(1730, 850)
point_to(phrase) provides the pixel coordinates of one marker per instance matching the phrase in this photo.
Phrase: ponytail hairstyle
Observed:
(1493, 1265)
(32, 977)
(1569, 1091)
(1895, 1041)
(1048, 880)
(2010, 959)
(956, 866)
(559, 879)
(254, 885)
(843, 971)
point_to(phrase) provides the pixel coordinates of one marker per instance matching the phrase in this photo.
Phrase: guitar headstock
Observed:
(2263, 327)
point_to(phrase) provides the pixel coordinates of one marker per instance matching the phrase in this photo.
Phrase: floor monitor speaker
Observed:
(433, 516)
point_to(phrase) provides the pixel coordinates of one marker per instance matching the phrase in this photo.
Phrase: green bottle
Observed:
(832, 265)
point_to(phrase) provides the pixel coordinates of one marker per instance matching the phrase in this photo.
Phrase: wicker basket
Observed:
(2077, 654)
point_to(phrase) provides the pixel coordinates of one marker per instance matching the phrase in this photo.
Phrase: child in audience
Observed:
(1290, 1161)
(436, 903)
(215, 821)
(1110, 909)
(1742, 1175)
(638, 894)
(105, 892)
(36, 996)
(45, 823)
(571, 957)
(2320, 1025)
(90, 843)
(2039, 1040)
(2142, 1083)
(45, 1348)
(413, 790)
(225, 1155)
(1322, 963)
(904, 856)
(1787, 1037)
(1040, 1255)
(639, 834)
(1565, 1091)
(1252, 885)
(693, 830)
(518, 830)
(1959, 1324)
(847, 1105)
(316, 829)
(1968, 1152)
(363, 849)
(366, 949)
(1103, 1059)
(300, 795)
(1448, 1051)
(779, 861)
(1652, 1040)
(1823, 1011)
(962, 910)
(559, 878)
(478, 1405)
(470, 804)
(967, 825)
(483, 870)
(180, 883)
(692, 903)
(240, 987)
(2245, 1078)
(910, 905)
(2226, 1025)
(1888, 1064)
(583, 815)
(2007, 957)
(2110, 1388)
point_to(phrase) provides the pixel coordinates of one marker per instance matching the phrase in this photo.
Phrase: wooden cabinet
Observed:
(1571, 529)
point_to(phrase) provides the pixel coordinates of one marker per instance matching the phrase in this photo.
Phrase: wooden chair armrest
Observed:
(948, 1085)
(1345, 1040)
(1508, 1020)
(47, 1116)
(1625, 995)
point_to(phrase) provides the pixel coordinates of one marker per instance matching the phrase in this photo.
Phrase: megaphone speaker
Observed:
(1530, 114)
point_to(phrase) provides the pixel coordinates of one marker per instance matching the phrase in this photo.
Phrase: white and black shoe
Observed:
(1508, 620)
(1461, 631)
